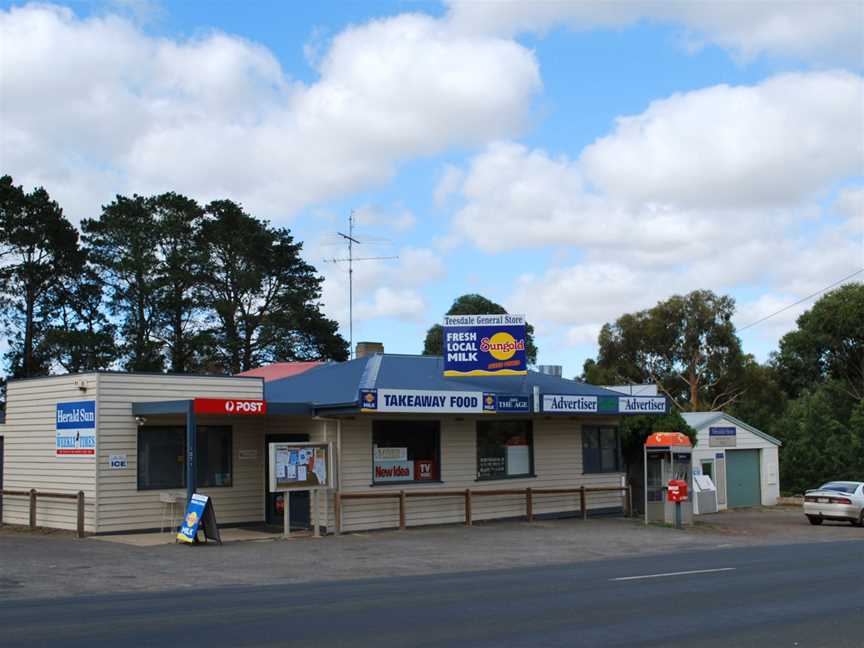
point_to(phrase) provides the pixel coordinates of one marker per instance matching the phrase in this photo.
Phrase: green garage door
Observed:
(742, 478)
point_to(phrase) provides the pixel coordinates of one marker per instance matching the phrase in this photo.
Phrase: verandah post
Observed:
(582, 502)
(468, 521)
(529, 505)
(80, 499)
(32, 508)
(402, 510)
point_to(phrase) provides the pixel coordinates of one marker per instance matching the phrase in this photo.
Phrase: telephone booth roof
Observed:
(667, 439)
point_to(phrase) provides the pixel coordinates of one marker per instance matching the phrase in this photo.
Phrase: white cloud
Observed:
(769, 144)
(216, 116)
(400, 219)
(822, 30)
(404, 304)
(448, 184)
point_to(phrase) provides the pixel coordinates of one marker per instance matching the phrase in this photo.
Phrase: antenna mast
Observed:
(349, 237)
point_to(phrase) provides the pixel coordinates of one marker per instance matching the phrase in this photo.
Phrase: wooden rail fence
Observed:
(468, 495)
(33, 494)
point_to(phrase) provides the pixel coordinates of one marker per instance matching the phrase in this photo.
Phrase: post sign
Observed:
(75, 429)
(484, 345)
(299, 466)
(230, 406)
(722, 437)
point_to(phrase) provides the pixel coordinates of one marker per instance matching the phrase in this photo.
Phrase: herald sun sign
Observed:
(230, 406)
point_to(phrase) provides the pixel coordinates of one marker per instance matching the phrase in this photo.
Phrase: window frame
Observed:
(588, 468)
(530, 433)
(181, 430)
(376, 423)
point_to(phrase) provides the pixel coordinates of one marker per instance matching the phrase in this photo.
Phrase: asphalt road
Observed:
(789, 595)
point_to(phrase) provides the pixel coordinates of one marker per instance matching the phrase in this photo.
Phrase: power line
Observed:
(802, 300)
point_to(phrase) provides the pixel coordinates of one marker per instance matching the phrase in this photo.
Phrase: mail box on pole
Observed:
(676, 490)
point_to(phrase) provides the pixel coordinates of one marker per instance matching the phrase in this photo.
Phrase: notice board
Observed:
(300, 466)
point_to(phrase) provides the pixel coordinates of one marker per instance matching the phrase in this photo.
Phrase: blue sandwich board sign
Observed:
(199, 515)
(484, 345)
(192, 520)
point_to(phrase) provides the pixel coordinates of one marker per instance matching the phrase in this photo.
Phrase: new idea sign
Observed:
(484, 345)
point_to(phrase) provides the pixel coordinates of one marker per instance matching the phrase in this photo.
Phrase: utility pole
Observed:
(349, 237)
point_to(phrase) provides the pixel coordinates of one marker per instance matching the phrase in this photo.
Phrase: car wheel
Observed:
(860, 521)
(815, 520)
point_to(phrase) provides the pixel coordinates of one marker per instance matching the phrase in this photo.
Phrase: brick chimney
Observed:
(368, 348)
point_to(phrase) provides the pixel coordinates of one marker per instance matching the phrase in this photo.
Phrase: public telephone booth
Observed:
(667, 457)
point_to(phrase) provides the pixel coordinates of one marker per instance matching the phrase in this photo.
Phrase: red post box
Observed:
(676, 490)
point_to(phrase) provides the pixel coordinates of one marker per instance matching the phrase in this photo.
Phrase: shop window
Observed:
(600, 449)
(405, 451)
(214, 455)
(505, 449)
(162, 456)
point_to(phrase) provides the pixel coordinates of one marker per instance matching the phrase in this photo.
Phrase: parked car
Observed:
(840, 500)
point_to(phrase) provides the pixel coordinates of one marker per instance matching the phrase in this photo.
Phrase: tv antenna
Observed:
(349, 238)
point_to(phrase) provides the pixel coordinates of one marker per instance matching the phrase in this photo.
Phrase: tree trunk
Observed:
(28, 335)
(693, 379)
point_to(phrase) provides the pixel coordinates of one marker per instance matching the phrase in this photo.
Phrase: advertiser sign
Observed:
(642, 405)
(575, 404)
(230, 406)
(484, 345)
(75, 429)
(722, 437)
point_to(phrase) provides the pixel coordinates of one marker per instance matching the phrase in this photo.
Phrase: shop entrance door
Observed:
(273, 503)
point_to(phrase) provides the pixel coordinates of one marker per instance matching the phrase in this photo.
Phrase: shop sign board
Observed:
(118, 462)
(421, 400)
(722, 437)
(390, 454)
(199, 515)
(440, 402)
(394, 471)
(642, 405)
(484, 345)
(576, 404)
(75, 429)
(300, 466)
(230, 406)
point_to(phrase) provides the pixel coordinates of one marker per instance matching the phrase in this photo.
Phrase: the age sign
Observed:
(230, 406)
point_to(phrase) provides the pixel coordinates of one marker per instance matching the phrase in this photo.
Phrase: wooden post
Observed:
(316, 519)
(468, 521)
(628, 502)
(32, 508)
(337, 511)
(325, 496)
(402, 510)
(529, 505)
(80, 514)
(582, 503)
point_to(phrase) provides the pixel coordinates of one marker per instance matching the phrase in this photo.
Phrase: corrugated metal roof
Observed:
(339, 383)
(279, 370)
(699, 420)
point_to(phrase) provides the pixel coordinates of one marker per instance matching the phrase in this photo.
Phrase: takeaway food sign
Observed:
(484, 345)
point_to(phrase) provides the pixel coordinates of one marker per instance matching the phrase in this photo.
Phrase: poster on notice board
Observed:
(299, 466)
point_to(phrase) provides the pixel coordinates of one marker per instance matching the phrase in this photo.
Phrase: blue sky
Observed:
(573, 161)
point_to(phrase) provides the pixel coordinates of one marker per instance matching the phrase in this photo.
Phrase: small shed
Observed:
(740, 459)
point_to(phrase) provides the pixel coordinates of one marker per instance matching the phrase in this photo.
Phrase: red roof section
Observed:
(279, 370)
(663, 439)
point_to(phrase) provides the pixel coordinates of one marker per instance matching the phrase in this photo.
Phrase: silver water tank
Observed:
(552, 370)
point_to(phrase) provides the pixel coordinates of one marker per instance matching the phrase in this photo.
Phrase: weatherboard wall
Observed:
(122, 507)
(557, 464)
(29, 449)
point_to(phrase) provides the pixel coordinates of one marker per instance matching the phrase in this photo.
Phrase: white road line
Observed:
(681, 573)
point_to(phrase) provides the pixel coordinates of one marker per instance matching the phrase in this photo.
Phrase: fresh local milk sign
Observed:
(75, 429)
(484, 345)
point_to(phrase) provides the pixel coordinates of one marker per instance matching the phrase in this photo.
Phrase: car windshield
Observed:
(839, 487)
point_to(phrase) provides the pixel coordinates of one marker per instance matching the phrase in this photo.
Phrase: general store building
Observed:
(132, 441)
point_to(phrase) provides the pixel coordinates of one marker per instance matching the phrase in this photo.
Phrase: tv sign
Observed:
(75, 429)
(230, 406)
